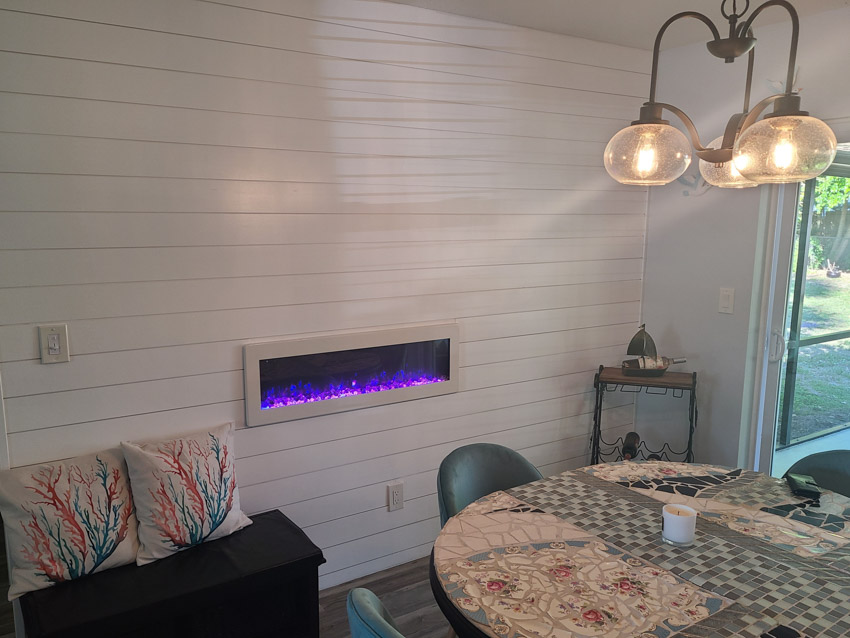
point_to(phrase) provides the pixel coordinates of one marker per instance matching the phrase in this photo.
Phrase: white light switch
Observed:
(53, 343)
(727, 300)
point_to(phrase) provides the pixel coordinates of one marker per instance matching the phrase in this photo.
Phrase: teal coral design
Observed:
(195, 490)
(77, 521)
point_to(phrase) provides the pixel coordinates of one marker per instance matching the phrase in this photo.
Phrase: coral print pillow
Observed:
(67, 519)
(185, 492)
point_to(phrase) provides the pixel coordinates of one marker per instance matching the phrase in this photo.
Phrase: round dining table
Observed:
(581, 554)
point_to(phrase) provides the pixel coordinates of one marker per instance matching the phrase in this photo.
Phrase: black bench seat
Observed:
(259, 581)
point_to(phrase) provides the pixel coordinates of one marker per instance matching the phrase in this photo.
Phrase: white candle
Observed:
(678, 524)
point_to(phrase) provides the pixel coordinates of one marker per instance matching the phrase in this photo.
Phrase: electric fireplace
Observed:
(299, 378)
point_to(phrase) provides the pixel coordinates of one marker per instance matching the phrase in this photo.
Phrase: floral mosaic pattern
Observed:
(519, 573)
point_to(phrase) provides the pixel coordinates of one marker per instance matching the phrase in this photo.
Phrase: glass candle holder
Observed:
(678, 525)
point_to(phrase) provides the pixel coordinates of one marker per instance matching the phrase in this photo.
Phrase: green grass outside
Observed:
(822, 392)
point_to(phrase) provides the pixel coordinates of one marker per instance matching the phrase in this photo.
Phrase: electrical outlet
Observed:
(395, 495)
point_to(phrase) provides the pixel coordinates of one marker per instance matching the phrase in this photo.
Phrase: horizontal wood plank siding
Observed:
(182, 178)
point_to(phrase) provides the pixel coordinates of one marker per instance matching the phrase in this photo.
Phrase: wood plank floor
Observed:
(405, 592)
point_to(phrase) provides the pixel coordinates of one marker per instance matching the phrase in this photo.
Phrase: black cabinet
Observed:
(260, 581)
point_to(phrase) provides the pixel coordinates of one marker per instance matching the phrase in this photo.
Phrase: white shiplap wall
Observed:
(181, 177)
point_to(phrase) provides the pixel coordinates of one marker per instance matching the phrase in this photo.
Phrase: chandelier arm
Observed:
(733, 127)
(753, 115)
(657, 48)
(795, 35)
(749, 84)
(689, 124)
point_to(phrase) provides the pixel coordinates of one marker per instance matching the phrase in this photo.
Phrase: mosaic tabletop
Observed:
(580, 554)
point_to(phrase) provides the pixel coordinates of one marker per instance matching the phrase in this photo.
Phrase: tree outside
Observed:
(830, 236)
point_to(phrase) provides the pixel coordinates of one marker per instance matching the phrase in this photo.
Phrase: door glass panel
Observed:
(827, 307)
(814, 393)
(821, 400)
(827, 299)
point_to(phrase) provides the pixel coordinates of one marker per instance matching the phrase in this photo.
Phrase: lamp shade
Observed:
(784, 149)
(647, 154)
(724, 175)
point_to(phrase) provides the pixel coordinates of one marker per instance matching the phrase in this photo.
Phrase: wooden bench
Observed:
(260, 581)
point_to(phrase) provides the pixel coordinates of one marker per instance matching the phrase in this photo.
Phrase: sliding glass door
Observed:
(813, 410)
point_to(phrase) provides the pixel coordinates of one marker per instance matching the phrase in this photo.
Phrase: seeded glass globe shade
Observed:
(724, 175)
(784, 149)
(647, 154)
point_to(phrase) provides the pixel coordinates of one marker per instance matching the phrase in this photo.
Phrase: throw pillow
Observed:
(67, 519)
(185, 491)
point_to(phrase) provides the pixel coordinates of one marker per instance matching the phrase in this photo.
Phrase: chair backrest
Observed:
(367, 616)
(475, 470)
(830, 469)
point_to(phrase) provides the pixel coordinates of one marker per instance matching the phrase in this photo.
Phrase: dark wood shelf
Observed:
(674, 380)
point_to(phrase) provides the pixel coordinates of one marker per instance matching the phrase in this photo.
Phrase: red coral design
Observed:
(46, 483)
(165, 518)
(77, 522)
(40, 552)
(194, 492)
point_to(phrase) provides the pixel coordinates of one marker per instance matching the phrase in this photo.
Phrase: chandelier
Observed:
(787, 145)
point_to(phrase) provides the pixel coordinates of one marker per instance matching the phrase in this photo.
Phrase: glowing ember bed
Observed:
(305, 377)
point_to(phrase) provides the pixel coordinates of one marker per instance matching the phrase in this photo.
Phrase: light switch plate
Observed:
(727, 301)
(53, 343)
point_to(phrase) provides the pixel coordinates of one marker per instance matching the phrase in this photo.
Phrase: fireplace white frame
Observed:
(253, 353)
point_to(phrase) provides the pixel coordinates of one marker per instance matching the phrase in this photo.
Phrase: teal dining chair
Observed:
(831, 470)
(476, 470)
(367, 616)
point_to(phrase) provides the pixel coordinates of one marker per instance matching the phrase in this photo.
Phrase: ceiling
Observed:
(631, 23)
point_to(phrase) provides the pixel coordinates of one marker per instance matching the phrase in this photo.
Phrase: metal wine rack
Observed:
(674, 383)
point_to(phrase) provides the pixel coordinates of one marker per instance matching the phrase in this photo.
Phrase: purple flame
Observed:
(300, 392)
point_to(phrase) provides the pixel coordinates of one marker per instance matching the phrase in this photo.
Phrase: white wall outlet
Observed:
(395, 495)
(53, 343)
(727, 301)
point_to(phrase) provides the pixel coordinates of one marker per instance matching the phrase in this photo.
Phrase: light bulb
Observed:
(741, 162)
(784, 149)
(647, 154)
(647, 159)
(784, 153)
(724, 175)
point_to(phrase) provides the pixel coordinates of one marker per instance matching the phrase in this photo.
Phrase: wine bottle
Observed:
(651, 363)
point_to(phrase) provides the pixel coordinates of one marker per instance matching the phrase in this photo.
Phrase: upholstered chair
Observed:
(367, 616)
(830, 469)
(475, 470)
